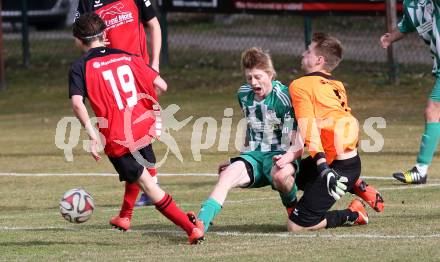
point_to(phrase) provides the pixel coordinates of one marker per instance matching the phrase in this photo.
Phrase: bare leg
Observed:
(233, 176)
(148, 185)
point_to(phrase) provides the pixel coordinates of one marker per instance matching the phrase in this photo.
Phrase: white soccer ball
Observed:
(77, 205)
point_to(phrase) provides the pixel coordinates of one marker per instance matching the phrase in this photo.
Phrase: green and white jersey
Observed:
(270, 120)
(423, 16)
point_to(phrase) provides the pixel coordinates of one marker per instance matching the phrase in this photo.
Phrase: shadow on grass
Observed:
(172, 234)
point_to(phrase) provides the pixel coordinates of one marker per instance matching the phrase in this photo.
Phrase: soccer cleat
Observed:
(411, 176)
(357, 206)
(369, 194)
(144, 200)
(121, 223)
(197, 236)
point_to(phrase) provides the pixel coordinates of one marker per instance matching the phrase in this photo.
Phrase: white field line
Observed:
(169, 175)
(406, 187)
(97, 174)
(244, 234)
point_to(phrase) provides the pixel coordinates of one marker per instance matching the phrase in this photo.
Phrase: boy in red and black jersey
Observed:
(121, 91)
(125, 21)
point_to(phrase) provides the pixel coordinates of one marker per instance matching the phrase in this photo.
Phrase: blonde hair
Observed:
(255, 57)
(330, 48)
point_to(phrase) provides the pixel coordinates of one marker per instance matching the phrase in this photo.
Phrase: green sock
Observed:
(210, 208)
(289, 199)
(429, 143)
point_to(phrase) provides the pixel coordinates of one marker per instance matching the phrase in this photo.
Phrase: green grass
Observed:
(32, 230)
(37, 232)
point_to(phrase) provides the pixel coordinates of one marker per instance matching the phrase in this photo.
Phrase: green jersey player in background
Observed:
(268, 111)
(423, 17)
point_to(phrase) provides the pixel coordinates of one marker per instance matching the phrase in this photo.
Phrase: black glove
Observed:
(336, 184)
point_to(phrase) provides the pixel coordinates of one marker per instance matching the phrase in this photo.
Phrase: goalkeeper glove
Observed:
(336, 184)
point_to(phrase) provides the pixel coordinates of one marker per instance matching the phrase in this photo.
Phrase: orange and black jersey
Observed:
(324, 118)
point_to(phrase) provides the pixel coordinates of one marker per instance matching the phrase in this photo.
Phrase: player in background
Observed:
(423, 17)
(330, 133)
(125, 21)
(267, 109)
(121, 91)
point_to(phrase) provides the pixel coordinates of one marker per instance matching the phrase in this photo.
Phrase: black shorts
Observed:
(128, 167)
(316, 201)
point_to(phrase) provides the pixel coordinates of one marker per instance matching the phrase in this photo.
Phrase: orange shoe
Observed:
(121, 223)
(357, 206)
(197, 235)
(369, 194)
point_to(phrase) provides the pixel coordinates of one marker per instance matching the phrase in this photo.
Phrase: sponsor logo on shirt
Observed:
(116, 16)
(110, 61)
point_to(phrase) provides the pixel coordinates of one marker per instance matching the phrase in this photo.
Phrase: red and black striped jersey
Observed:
(120, 89)
(124, 20)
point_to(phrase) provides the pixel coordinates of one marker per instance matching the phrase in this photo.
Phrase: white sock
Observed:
(422, 168)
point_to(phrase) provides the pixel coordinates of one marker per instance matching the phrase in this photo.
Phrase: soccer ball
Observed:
(77, 205)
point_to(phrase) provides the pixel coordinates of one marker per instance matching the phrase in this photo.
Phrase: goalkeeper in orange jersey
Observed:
(330, 133)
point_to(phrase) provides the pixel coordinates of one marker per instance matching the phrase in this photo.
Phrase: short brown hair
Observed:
(255, 57)
(330, 48)
(88, 27)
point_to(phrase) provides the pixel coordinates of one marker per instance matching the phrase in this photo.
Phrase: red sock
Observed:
(168, 208)
(130, 195)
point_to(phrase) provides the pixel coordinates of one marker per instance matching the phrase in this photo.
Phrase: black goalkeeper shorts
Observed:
(316, 201)
(128, 168)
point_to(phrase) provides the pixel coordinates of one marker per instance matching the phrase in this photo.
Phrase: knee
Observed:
(432, 112)
(428, 114)
(225, 179)
(280, 177)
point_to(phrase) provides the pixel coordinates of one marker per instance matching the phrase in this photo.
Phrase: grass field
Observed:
(251, 226)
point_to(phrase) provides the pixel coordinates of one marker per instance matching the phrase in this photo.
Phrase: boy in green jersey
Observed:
(423, 17)
(268, 111)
